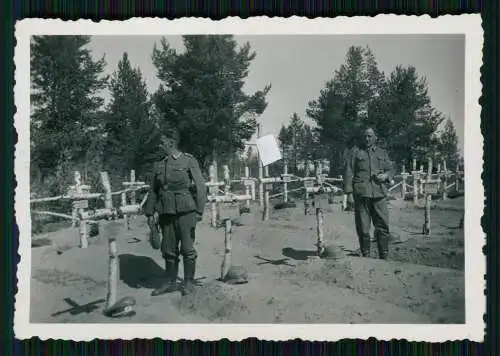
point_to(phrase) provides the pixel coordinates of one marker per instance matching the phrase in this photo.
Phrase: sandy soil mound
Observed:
(290, 303)
(422, 283)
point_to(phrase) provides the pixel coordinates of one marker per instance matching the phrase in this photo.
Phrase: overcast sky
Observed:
(298, 67)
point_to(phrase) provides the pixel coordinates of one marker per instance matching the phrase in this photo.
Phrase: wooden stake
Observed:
(108, 200)
(261, 173)
(84, 242)
(319, 232)
(227, 180)
(403, 186)
(247, 188)
(112, 272)
(428, 201)
(457, 179)
(78, 190)
(285, 184)
(266, 198)
(215, 165)
(226, 262)
(306, 193)
(132, 193)
(125, 216)
(415, 182)
(213, 204)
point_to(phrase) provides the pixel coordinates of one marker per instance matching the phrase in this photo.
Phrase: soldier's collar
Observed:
(176, 155)
(371, 149)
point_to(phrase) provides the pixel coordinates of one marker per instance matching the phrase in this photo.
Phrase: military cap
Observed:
(172, 133)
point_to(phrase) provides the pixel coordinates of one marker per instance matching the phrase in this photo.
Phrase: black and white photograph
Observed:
(315, 179)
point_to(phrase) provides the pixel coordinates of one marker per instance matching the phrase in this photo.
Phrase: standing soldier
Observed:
(366, 175)
(176, 201)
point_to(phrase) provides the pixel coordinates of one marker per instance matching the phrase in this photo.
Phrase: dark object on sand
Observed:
(122, 308)
(332, 252)
(41, 242)
(287, 205)
(94, 230)
(155, 236)
(236, 275)
(244, 210)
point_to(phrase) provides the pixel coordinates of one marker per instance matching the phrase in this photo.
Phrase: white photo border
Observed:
(475, 262)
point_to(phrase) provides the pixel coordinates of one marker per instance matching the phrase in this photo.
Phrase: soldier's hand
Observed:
(199, 217)
(156, 218)
(350, 199)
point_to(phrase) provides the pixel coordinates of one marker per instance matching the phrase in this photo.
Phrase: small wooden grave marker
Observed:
(81, 204)
(431, 186)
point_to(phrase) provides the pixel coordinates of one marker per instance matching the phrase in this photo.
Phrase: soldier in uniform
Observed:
(366, 175)
(176, 199)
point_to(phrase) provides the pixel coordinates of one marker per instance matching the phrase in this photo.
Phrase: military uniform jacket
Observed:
(176, 186)
(360, 170)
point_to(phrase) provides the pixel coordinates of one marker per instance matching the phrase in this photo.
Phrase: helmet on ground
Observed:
(121, 308)
(332, 252)
(236, 275)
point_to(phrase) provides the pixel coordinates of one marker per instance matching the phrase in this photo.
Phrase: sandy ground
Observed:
(423, 282)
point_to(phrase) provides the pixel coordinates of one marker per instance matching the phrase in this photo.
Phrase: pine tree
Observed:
(448, 145)
(65, 105)
(344, 105)
(132, 134)
(404, 118)
(202, 94)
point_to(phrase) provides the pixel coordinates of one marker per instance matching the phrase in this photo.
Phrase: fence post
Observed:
(108, 199)
(247, 188)
(457, 179)
(306, 194)
(112, 272)
(78, 190)
(421, 188)
(226, 262)
(415, 182)
(428, 201)
(319, 231)
(213, 189)
(125, 216)
(403, 185)
(261, 172)
(285, 184)
(132, 193)
(445, 180)
(266, 196)
(227, 180)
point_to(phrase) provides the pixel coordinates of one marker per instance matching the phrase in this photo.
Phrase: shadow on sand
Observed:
(298, 255)
(140, 271)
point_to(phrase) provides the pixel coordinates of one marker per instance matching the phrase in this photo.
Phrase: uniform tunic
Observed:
(369, 195)
(177, 193)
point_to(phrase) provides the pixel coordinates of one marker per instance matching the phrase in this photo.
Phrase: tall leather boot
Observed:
(364, 245)
(189, 271)
(170, 284)
(383, 245)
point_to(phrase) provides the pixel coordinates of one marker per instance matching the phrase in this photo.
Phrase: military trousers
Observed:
(178, 229)
(367, 210)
